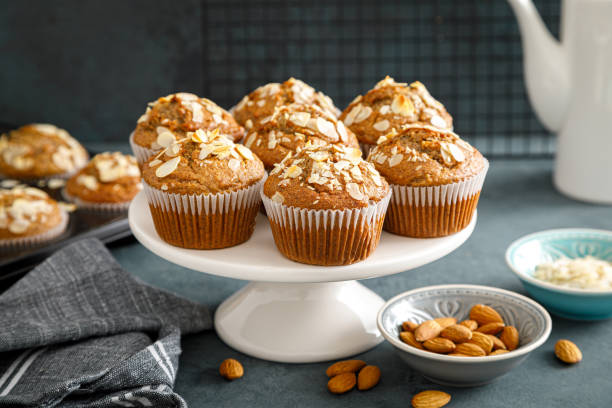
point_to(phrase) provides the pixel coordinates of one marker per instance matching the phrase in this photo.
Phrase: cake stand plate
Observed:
(291, 312)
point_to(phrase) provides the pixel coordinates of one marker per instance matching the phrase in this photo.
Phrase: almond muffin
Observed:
(38, 151)
(292, 126)
(203, 191)
(389, 105)
(171, 117)
(326, 205)
(28, 216)
(108, 182)
(436, 178)
(261, 103)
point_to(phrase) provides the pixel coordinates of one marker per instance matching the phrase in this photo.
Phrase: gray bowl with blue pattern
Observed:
(531, 320)
(524, 254)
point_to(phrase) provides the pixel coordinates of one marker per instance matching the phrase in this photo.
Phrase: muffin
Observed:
(108, 182)
(28, 216)
(38, 151)
(326, 205)
(261, 103)
(292, 126)
(203, 191)
(389, 106)
(171, 117)
(436, 178)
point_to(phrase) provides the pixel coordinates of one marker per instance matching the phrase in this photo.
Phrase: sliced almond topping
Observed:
(382, 125)
(363, 114)
(384, 109)
(234, 164)
(165, 139)
(300, 118)
(350, 117)
(438, 122)
(248, 124)
(327, 128)
(249, 142)
(342, 132)
(354, 191)
(402, 105)
(173, 150)
(395, 159)
(293, 171)
(168, 167)
(278, 198)
(244, 152)
(456, 152)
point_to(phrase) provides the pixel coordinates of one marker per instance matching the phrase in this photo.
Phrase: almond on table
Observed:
(231, 369)
(346, 366)
(568, 352)
(342, 383)
(368, 377)
(430, 399)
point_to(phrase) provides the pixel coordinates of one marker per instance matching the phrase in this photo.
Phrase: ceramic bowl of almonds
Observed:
(463, 335)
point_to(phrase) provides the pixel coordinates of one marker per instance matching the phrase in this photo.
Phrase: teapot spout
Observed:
(545, 64)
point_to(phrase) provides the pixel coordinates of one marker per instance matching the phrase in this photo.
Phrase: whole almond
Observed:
(444, 322)
(470, 349)
(510, 337)
(483, 341)
(470, 324)
(408, 338)
(346, 366)
(456, 333)
(498, 351)
(439, 345)
(568, 352)
(491, 328)
(427, 330)
(485, 314)
(368, 377)
(231, 369)
(497, 343)
(342, 383)
(430, 399)
(409, 326)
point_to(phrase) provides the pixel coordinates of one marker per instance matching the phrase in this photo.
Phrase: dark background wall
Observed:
(91, 66)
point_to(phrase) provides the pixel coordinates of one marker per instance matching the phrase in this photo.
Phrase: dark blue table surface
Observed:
(518, 198)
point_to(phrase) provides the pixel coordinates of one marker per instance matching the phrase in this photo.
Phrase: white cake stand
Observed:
(291, 312)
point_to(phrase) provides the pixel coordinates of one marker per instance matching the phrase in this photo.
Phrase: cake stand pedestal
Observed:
(291, 312)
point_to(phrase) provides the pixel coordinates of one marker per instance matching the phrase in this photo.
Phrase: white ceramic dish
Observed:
(294, 312)
(531, 320)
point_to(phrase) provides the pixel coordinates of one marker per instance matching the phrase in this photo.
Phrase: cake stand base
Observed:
(300, 323)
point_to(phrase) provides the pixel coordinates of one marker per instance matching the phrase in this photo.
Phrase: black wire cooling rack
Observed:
(467, 52)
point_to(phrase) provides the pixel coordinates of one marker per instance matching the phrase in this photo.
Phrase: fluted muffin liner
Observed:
(91, 206)
(326, 237)
(17, 244)
(435, 211)
(204, 221)
(142, 154)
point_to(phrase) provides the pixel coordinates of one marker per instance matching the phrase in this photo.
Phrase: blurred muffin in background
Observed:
(38, 151)
(436, 178)
(291, 127)
(108, 182)
(389, 105)
(261, 103)
(170, 118)
(28, 216)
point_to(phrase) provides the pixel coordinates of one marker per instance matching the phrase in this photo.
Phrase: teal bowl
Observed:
(524, 254)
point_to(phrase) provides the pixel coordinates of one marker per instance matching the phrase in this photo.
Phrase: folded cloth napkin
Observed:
(79, 331)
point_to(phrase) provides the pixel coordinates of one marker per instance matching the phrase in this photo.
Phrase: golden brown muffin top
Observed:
(291, 127)
(325, 177)
(179, 113)
(27, 211)
(107, 178)
(39, 150)
(203, 163)
(389, 105)
(420, 155)
(261, 103)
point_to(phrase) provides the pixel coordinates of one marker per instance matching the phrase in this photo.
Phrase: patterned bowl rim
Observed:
(570, 233)
(397, 343)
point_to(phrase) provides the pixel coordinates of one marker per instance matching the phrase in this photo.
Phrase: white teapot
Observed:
(569, 84)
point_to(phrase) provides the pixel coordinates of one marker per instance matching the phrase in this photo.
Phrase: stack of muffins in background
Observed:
(326, 204)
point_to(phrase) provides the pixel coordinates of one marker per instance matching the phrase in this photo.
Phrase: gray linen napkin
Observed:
(79, 331)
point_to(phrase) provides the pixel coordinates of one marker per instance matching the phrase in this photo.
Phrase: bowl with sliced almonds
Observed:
(463, 335)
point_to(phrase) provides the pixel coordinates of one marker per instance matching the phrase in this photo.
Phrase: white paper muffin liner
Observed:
(142, 154)
(89, 206)
(326, 237)
(205, 221)
(440, 195)
(16, 244)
